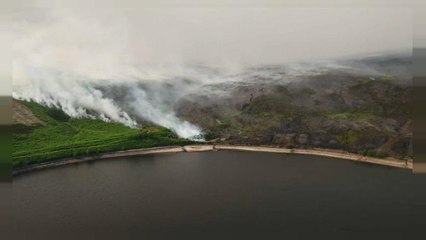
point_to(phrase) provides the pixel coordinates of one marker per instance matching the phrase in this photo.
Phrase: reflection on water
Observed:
(213, 193)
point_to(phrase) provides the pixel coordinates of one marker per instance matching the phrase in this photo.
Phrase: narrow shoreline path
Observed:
(391, 162)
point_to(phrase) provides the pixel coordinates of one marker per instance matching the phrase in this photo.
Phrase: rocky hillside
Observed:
(359, 105)
(367, 112)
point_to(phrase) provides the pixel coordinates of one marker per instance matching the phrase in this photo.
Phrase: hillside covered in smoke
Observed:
(246, 76)
(360, 105)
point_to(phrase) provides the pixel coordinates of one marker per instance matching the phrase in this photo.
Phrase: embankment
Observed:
(391, 162)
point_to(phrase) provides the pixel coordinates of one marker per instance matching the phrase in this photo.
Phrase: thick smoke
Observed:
(76, 65)
(131, 66)
(128, 101)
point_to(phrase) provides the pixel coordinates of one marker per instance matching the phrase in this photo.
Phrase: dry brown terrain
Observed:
(22, 115)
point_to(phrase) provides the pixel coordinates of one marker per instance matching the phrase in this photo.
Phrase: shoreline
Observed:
(338, 154)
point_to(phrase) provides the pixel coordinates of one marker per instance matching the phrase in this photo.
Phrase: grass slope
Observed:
(67, 137)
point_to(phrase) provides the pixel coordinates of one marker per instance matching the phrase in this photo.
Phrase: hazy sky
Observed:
(95, 40)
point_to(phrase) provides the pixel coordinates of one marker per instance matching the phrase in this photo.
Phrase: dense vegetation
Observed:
(360, 114)
(67, 137)
(365, 109)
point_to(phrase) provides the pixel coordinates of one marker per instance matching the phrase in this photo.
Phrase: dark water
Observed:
(219, 195)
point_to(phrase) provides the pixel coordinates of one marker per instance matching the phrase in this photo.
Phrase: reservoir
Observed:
(210, 194)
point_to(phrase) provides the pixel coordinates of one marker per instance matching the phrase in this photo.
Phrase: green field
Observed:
(66, 137)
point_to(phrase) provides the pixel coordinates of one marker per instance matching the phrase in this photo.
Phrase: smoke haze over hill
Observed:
(128, 65)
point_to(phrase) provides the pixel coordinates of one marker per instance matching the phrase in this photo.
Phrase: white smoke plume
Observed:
(128, 65)
(70, 62)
